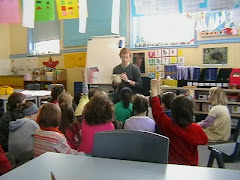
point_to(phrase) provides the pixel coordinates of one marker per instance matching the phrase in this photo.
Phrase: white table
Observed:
(74, 167)
(36, 96)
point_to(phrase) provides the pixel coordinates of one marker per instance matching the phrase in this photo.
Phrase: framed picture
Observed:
(139, 60)
(215, 55)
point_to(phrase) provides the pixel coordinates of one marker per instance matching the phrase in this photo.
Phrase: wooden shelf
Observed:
(43, 83)
(207, 101)
(199, 89)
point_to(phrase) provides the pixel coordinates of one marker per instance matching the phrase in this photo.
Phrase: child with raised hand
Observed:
(15, 104)
(140, 121)
(20, 142)
(184, 135)
(48, 138)
(86, 96)
(123, 109)
(217, 124)
(98, 116)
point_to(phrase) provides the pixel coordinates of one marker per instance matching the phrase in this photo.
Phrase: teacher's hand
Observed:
(124, 77)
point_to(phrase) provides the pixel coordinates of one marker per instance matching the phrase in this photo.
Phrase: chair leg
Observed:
(215, 154)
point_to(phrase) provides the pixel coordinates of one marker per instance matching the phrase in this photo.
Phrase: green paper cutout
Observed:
(44, 10)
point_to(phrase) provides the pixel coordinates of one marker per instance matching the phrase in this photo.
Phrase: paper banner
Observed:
(151, 54)
(165, 52)
(151, 61)
(82, 16)
(180, 52)
(28, 13)
(44, 10)
(151, 75)
(173, 60)
(158, 61)
(151, 68)
(165, 60)
(75, 60)
(115, 16)
(9, 11)
(173, 52)
(181, 60)
(158, 53)
(67, 9)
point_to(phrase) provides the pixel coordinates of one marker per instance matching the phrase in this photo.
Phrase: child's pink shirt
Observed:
(87, 135)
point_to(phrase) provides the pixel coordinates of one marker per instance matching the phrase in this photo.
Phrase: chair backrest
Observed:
(131, 145)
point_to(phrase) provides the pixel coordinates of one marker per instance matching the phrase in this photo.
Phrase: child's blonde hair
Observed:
(217, 96)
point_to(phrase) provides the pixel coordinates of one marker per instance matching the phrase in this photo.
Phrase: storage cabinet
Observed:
(44, 84)
(14, 81)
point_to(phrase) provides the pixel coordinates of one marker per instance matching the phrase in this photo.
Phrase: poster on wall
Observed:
(216, 56)
(139, 60)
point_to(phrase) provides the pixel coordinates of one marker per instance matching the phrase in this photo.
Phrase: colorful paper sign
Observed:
(75, 60)
(173, 52)
(180, 52)
(44, 10)
(67, 9)
(173, 60)
(9, 11)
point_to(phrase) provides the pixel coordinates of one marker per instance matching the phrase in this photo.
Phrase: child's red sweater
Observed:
(5, 164)
(183, 141)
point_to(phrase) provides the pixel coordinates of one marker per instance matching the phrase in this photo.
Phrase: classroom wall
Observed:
(5, 41)
(15, 42)
(18, 39)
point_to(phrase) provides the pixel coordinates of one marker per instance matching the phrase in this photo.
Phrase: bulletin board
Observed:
(103, 53)
(98, 23)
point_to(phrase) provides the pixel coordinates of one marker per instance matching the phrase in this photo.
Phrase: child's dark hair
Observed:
(67, 116)
(182, 111)
(15, 100)
(167, 99)
(126, 96)
(140, 104)
(92, 92)
(56, 91)
(99, 109)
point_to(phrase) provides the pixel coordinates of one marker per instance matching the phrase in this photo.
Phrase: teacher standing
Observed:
(129, 73)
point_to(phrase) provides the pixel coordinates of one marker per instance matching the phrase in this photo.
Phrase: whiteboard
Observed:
(103, 53)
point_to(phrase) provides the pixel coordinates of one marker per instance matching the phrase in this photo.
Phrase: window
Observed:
(159, 30)
(44, 38)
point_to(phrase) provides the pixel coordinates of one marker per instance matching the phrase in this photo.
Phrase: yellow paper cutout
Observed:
(180, 52)
(173, 60)
(67, 9)
(75, 60)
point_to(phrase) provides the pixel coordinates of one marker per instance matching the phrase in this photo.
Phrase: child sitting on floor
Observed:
(20, 142)
(123, 109)
(15, 104)
(98, 116)
(140, 121)
(184, 135)
(48, 138)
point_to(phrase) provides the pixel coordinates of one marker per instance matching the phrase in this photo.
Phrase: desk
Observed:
(36, 96)
(73, 167)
